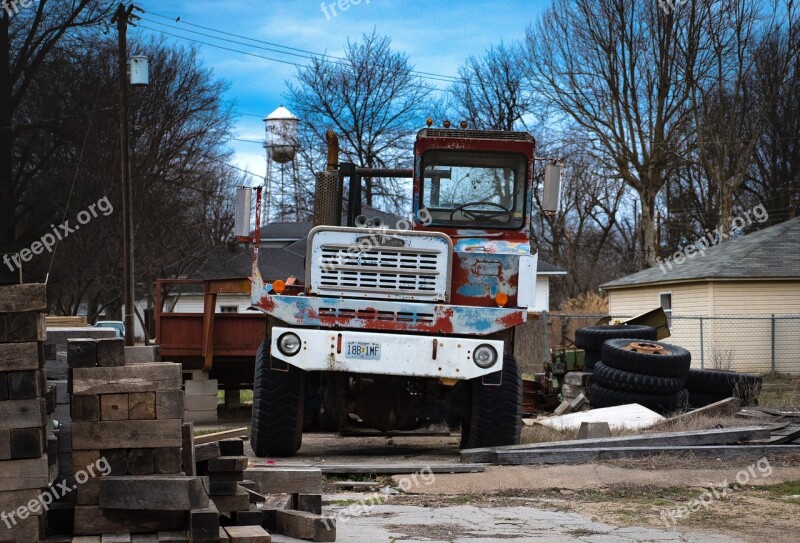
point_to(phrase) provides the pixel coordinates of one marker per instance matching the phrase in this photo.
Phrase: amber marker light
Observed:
(279, 286)
(447, 124)
(429, 122)
(501, 299)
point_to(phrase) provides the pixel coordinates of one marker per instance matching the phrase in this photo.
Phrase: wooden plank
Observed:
(114, 407)
(204, 523)
(19, 298)
(286, 480)
(140, 462)
(169, 404)
(110, 352)
(3, 387)
(85, 408)
(5, 446)
(578, 456)
(126, 434)
(92, 520)
(141, 538)
(308, 526)
(206, 451)
(167, 460)
(24, 474)
(225, 476)
(81, 353)
(25, 327)
(248, 534)
(12, 499)
(117, 460)
(29, 530)
(27, 443)
(81, 459)
(19, 356)
(223, 536)
(188, 459)
(176, 536)
(235, 502)
(21, 414)
(174, 493)
(227, 463)
(271, 506)
(142, 406)
(24, 385)
(384, 469)
(89, 492)
(227, 434)
(146, 377)
(720, 436)
(115, 538)
(722, 408)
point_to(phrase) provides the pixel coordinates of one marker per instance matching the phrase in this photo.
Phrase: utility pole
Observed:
(121, 18)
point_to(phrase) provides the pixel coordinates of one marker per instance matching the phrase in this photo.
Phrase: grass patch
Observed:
(245, 396)
(780, 391)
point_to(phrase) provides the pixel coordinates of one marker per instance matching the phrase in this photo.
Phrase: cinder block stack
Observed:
(575, 384)
(24, 467)
(126, 422)
(201, 397)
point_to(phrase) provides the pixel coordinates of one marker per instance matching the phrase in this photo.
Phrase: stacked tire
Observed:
(591, 339)
(647, 373)
(707, 387)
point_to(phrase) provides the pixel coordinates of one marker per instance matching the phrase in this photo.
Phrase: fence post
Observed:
(702, 347)
(545, 336)
(772, 344)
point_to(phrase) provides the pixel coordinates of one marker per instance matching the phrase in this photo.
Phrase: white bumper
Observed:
(397, 354)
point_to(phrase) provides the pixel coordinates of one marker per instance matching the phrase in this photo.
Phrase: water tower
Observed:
(281, 146)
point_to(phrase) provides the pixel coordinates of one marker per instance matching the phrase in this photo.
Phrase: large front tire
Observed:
(278, 399)
(495, 417)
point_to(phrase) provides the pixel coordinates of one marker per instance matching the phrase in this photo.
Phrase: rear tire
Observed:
(609, 377)
(674, 362)
(660, 403)
(591, 338)
(495, 416)
(278, 400)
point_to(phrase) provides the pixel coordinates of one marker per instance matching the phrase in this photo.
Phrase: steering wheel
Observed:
(482, 214)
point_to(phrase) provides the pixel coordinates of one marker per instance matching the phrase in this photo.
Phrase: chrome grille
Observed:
(416, 269)
(375, 315)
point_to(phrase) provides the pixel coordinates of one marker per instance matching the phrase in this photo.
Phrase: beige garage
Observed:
(736, 307)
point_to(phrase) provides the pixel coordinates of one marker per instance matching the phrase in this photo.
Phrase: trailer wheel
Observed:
(495, 416)
(657, 359)
(278, 398)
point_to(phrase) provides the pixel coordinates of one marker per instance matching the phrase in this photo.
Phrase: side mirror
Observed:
(241, 225)
(551, 193)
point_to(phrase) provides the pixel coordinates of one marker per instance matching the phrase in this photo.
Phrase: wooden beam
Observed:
(19, 298)
(227, 434)
(110, 352)
(308, 526)
(722, 408)
(114, 407)
(24, 474)
(126, 434)
(22, 414)
(206, 451)
(286, 480)
(580, 456)
(145, 377)
(247, 534)
(173, 493)
(19, 356)
(188, 459)
(92, 520)
(169, 404)
(720, 436)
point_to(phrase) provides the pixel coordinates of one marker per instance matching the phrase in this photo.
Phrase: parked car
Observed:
(119, 326)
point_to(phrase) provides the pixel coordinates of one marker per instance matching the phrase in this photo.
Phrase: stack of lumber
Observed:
(24, 467)
(126, 422)
(55, 348)
(201, 397)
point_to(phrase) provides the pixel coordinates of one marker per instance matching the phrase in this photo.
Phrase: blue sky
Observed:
(437, 35)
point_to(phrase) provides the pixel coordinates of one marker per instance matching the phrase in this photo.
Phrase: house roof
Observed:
(771, 253)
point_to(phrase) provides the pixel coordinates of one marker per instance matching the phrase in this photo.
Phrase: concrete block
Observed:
(201, 388)
(142, 353)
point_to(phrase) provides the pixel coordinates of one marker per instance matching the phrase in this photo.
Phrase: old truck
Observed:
(398, 326)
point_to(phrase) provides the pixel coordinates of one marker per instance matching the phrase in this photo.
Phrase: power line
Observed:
(291, 51)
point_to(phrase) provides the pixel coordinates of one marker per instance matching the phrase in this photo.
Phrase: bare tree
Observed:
(27, 37)
(732, 99)
(373, 100)
(617, 68)
(489, 92)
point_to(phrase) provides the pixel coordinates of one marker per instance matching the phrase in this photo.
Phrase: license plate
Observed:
(363, 351)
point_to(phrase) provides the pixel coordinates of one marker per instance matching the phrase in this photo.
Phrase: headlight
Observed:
(485, 356)
(289, 344)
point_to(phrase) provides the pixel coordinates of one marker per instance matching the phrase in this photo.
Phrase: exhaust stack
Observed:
(328, 190)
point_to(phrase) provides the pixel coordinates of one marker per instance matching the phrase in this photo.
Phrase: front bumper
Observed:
(398, 354)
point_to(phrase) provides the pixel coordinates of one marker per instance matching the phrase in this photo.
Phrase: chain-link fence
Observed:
(756, 344)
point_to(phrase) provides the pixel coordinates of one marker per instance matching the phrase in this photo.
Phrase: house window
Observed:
(229, 309)
(666, 305)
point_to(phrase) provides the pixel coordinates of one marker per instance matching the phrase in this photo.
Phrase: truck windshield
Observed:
(474, 189)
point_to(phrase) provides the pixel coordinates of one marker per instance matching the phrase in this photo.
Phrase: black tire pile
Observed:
(591, 339)
(708, 386)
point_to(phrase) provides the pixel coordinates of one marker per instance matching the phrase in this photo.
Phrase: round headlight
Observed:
(485, 356)
(289, 344)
